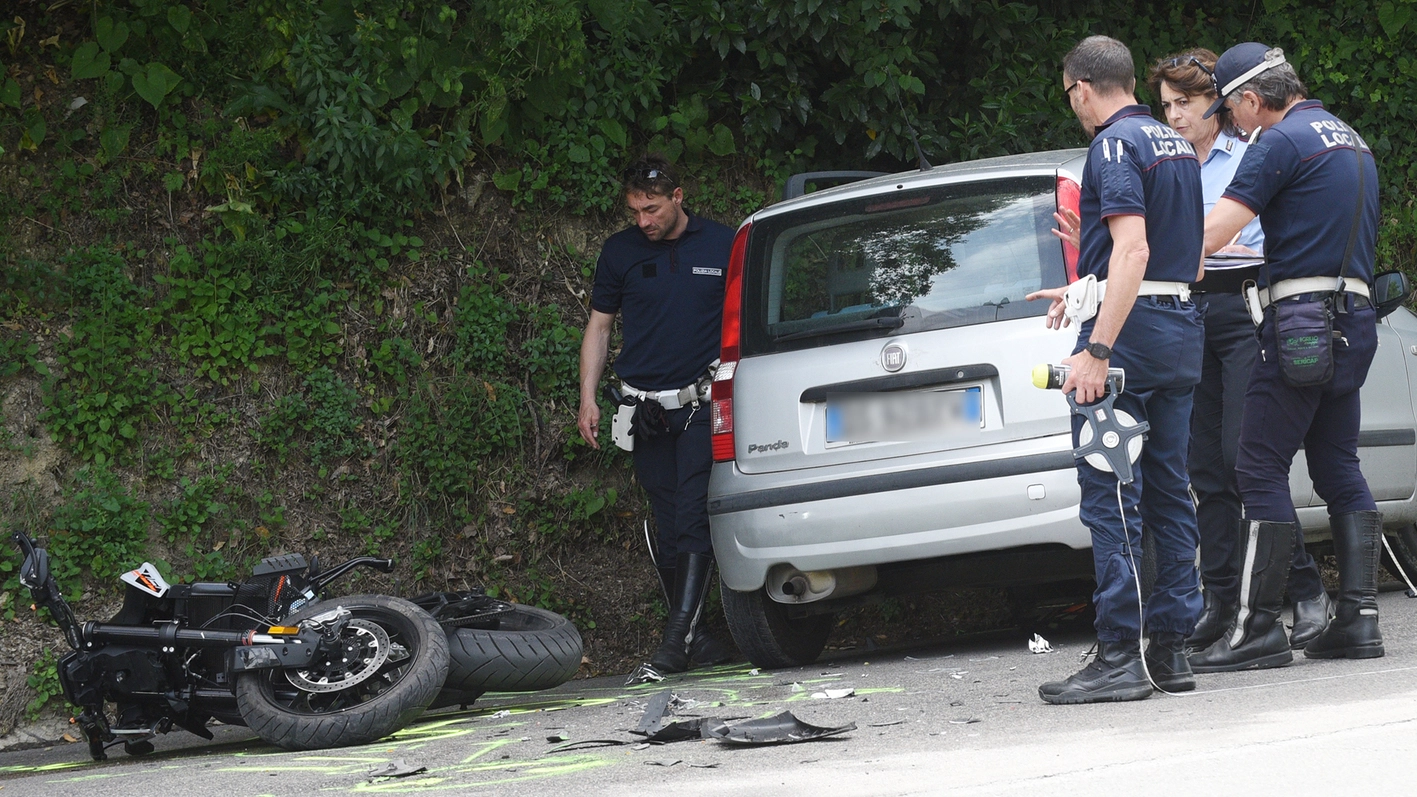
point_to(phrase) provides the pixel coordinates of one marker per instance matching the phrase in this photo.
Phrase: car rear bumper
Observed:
(892, 516)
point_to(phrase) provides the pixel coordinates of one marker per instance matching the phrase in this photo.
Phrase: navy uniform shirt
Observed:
(1301, 177)
(1137, 166)
(670, 298)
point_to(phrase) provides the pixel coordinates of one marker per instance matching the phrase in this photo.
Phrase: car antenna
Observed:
(919, 153)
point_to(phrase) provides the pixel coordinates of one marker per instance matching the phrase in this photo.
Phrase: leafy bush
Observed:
(325, 415)
(102, 393)
(452, 429)
(99, 527)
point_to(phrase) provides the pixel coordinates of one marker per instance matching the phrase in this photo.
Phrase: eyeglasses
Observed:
(646, 174)
(1067, 92)
(1175, 62)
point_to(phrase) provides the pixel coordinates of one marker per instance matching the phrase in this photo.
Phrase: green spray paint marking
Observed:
(441, 779)
(20, 769)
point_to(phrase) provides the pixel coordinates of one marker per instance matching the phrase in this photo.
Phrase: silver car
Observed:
(876, 431)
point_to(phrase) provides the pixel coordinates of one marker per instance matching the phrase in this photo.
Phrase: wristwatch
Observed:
(1100, 351)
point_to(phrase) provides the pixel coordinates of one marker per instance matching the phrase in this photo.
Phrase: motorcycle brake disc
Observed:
(363, 649)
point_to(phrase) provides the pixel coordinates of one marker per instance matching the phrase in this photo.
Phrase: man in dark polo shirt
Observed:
(1314, 184)
(665, 277)
(1140, 238)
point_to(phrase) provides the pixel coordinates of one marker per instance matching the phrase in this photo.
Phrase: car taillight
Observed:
(1070, 197)
(722, 404)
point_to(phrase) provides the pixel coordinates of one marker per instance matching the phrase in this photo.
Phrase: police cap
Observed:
(1239, 65)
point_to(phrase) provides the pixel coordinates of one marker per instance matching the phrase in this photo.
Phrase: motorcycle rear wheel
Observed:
(375, 704)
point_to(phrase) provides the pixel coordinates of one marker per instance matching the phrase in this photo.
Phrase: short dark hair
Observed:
(653, 174)
(1276, 87)
(1191, 72)
(1103, 62)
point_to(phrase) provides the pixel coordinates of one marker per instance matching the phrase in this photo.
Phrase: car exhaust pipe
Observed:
(787, 584)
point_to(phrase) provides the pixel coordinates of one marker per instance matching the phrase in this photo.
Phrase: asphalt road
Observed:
(955, 717)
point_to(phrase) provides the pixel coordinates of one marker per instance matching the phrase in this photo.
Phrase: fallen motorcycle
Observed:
(301, 672)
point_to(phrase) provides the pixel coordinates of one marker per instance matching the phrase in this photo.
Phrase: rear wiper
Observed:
(888, 322)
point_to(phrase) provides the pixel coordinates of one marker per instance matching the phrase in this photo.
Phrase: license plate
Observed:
(903, 417)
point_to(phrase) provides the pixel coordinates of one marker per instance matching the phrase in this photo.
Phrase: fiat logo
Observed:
(893, 357)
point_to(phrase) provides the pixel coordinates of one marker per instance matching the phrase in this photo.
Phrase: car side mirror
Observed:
(1391, 289)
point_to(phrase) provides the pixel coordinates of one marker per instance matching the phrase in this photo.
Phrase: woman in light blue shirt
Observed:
(1186, 88)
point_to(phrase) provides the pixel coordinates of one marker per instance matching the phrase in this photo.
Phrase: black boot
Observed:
(1354, 633)
(704, 650)
(1256, 638)
(1215, 619)
(1167, 663)
(1114, 676)
(691, 575)
(1311, 617)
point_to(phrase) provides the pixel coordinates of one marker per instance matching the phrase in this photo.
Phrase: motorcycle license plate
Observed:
(903, 417)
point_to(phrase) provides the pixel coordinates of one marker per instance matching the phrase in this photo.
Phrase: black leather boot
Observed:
(1114, 676)
(704, 650)
(1311, 617)
(1255, 639)
(1215, 619)
(691, 575)
(1353, 633)
(1167, 663)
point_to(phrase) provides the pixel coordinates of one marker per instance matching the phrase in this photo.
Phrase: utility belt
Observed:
(641, 413)
(1257, 298)
(672, 399)
(1085, 296)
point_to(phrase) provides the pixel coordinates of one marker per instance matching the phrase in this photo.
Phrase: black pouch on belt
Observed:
(650, 420)
(1304, 334)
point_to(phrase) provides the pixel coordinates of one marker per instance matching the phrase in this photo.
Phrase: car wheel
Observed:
(767, 636)
(1404, 552)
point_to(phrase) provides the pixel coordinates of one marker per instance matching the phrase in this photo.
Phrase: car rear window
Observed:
(901, 262)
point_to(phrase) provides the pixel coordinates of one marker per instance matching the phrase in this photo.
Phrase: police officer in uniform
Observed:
(1141, 227)
(665, 277)
(1314, 184)
(1185, 84)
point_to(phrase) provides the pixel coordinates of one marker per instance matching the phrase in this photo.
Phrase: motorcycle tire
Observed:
(530, 649)
(383, 702)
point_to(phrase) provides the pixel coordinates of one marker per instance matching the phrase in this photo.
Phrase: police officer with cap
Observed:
(665, 276)
(1313, 182)
(1141, 223)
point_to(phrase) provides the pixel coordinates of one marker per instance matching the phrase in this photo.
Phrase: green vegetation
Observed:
(279, 275)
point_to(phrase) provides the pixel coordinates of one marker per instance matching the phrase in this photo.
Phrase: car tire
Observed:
(768, 636)
(1404, 552)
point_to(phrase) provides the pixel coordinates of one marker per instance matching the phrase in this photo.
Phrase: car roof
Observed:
(1029, 163)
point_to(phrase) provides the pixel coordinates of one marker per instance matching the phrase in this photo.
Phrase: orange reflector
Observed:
(284, 630)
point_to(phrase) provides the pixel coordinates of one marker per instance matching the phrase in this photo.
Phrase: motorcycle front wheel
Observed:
(390, 664)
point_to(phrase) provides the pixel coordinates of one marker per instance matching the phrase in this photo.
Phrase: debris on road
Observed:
(781, 729)
(834, 694)
(1039, 645)
(646, 673)
(397, 768)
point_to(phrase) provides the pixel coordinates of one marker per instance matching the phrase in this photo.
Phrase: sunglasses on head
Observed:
(646, 174)
(1191, 59)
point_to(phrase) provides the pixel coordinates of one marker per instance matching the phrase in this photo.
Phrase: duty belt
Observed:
(1083, 297)
(1294, 287)
(671, 399)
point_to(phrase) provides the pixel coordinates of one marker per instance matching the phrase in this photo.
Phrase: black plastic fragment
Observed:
(683, 730)
(655, 710)
(781, 729)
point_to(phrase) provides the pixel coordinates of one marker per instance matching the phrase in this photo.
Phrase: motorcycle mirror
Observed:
(34, 573)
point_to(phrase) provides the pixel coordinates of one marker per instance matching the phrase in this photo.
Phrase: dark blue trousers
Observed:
(1324, 419)
(1160, 349)
(1230, 349)
(674, 470)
